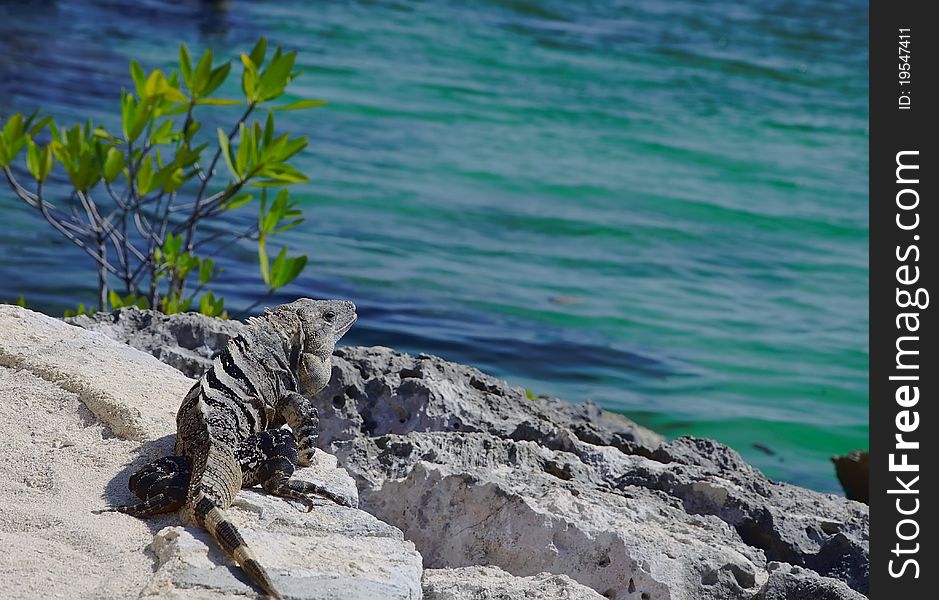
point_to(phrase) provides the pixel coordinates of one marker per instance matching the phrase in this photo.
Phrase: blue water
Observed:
(659, 206)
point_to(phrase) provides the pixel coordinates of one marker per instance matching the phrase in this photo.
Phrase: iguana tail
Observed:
(207, 514)
(215, 480)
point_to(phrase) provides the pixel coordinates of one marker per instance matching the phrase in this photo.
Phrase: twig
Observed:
(245, 312)
(100, 259)
(191, 222)
(235, 238)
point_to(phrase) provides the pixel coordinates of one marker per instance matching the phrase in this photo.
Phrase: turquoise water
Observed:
(659, 206)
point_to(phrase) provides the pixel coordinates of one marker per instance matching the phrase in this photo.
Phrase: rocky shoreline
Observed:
(474, 489)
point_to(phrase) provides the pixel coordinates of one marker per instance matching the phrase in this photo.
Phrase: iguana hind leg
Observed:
(161, 487)
(269, 458)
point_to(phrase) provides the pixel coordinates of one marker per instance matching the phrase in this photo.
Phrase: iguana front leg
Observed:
(300, 414)
(269, 458)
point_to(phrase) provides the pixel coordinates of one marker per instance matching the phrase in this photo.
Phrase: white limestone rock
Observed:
(492, 583)
(80, 413)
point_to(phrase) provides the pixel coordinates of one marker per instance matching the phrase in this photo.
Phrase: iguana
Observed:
(229, 425)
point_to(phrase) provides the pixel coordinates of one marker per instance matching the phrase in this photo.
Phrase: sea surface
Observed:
(657, 206)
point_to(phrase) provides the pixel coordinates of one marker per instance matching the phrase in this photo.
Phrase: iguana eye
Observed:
(329, 316)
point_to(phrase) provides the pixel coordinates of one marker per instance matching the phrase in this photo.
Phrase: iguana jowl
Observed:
(228, 427)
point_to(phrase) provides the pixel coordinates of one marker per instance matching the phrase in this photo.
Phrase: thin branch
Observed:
(75, 228)
(27, 196)
(164, 223)
(190, 205)
(115, 196)
(140, 269)
(211, 206)
(257, 302)
(73, 232)
(235, 238)
(101, 260)
(101, 225)
(191, 222)
(89, 211)
(120, 241)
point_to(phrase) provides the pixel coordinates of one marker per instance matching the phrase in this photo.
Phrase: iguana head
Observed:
(323, 322)
(313, 328)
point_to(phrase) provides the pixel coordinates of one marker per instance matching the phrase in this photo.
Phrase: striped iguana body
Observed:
(229, 425)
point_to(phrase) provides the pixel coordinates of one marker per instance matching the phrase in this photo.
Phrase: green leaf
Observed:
(174, 109)
(206, 271)
(216, 79)
(219, 101)
(249, 78)
(173, 304)
(258, 52)
(300, 104)
(113, 164)
(282, 148)
(12, 139)
(128, 112)
(14, 127)
(293, 146)
(29, 120)
(276, 76)
(200, 77)
(174, 95)
(169, 178)
(268, 130)
(295, 268)
(265, 265)
(78, 151)
(277, 268)
(38, 160)
(172, 244)
(209, 306)
(115, 299)
(205, 303)
(224, 145)
(153, 85)
(271, 218)
(80, 311)
(284, 270)
(282, 174)
(39, 125)
(288, 226)
(237, 201)
(145, 178)
(185, 65)
(246, 140)
(193, 129)
(186, 156)
(142, 115)
(140, 79)
(164, 134)
(158, 88)
(101, 133)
